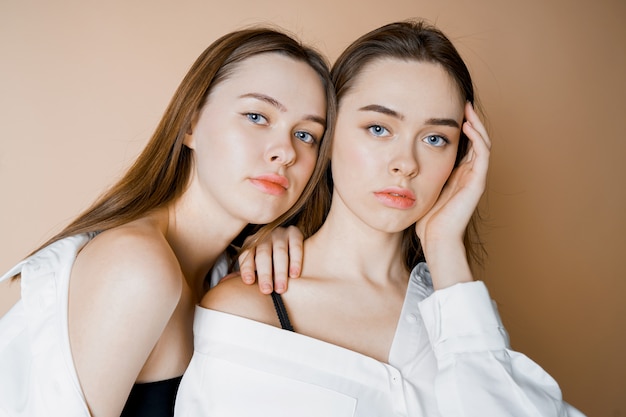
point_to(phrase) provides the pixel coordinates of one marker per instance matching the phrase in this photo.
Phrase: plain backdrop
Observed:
(83, 84)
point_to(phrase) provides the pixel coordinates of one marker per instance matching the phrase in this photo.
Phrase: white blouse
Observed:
(37, 374)
(449, 357)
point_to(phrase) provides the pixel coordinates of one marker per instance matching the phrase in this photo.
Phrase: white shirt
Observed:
(37, 374)
(449, 357)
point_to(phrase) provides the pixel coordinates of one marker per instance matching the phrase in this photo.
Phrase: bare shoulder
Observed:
(124, 289)
(232, 296)
(135, 259)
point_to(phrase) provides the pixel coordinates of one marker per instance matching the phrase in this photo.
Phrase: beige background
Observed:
(83, 83)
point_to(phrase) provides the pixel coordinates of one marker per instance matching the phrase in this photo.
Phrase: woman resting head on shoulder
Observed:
(111, 297)
(369, 337)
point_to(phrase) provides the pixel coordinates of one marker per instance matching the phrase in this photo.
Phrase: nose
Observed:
(281, 151)
(404, 163)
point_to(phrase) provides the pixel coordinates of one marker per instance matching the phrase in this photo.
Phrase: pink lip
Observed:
(396, 197)
(273, 184)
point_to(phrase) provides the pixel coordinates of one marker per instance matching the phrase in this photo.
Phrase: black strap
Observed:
(281, 311)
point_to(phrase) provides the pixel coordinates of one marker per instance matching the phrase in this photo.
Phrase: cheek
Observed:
(305, 165)
(445, 170)
(343, 167)
(438, 174)
(353, 160)
(235, 150)
(441, 176)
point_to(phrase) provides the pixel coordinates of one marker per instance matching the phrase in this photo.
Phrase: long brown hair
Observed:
(411, 41)
(161, 172)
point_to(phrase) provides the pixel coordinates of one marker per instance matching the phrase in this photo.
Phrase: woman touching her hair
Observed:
(363, 332)
(104, 323)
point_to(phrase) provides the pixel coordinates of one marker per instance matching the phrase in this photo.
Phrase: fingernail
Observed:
(266, 288)
(294, 272)
(280, 287)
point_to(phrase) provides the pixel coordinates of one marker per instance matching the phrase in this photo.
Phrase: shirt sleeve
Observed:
(478, 373)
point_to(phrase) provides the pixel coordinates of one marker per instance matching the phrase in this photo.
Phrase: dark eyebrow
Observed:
(266, 99)
(443, 122)
(382, 109)
(316, 119)
(389, 112)
(272, 101)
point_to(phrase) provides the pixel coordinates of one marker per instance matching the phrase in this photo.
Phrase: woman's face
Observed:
(395, 142)
(256, 139)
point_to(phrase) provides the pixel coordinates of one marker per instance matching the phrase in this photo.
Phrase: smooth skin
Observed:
(133, 288)
(393, 165)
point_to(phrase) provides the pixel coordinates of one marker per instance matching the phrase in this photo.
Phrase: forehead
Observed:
(285, 79)
(404, 82)
(269, 66)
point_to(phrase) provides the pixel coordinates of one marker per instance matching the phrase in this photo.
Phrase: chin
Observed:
(264, 210)
(263, 218)
(393, 225)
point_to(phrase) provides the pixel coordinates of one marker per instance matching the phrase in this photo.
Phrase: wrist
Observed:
(441, 249)
(447, 262)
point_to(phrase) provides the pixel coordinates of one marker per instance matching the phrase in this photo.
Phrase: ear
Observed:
(189, 140)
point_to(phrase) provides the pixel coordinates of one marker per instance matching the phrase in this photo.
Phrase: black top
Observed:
(152, 399)
(282, 312)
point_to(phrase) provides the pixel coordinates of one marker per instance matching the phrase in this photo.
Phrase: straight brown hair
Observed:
(160, 174)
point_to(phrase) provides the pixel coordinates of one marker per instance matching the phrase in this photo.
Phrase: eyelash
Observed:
(254, 118)
(439, 137)
(372, 129)
(251, 117)
(379, 132)
(311, 141)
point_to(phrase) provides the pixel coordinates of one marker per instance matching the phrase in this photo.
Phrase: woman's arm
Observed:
(478, 373)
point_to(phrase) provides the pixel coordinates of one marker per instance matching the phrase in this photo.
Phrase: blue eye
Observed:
(256, 118)
(436, 140)
(378, 130)
(305, 137)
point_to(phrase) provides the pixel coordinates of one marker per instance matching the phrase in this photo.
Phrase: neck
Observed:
(346, 246)
(198, 236)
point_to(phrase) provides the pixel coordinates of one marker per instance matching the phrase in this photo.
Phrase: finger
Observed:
(281, 263)
(246, 266)
(474, 121)
(263, 261)
(469, 154)
(296, 251)
(479, 146)
(479, 164)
